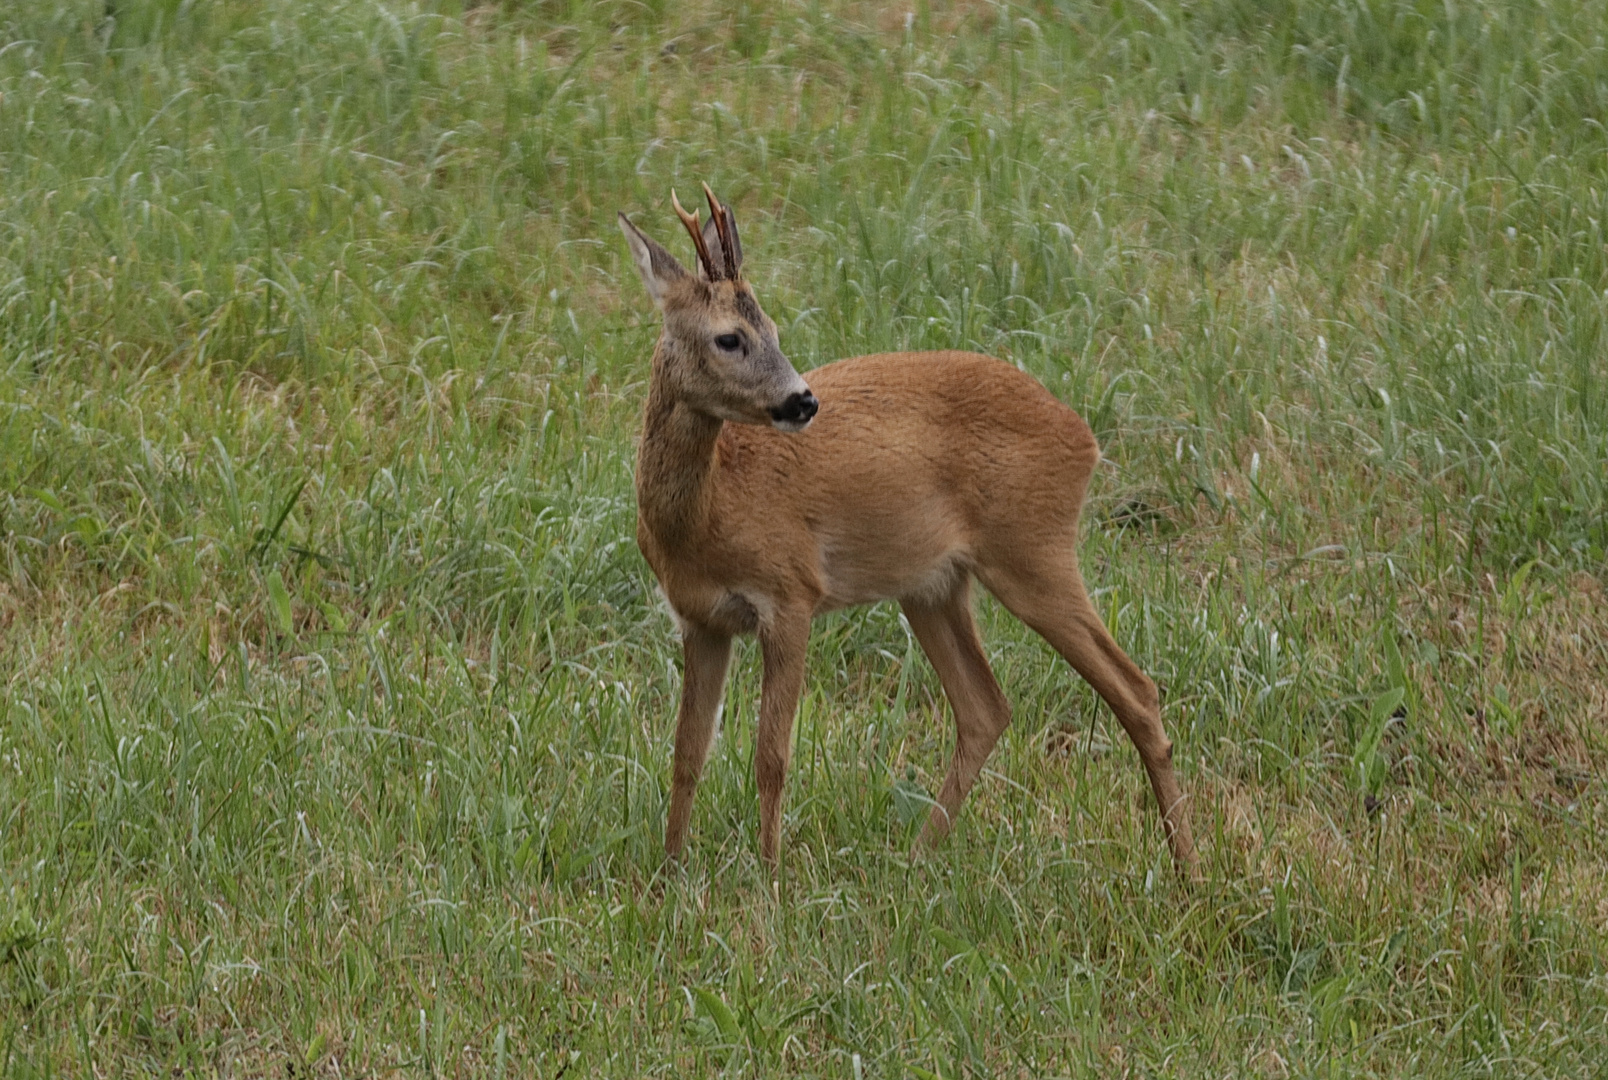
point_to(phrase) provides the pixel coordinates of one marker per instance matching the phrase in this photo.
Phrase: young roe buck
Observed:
(764, 501)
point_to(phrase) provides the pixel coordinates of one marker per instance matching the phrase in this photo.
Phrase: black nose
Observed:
(797, 409)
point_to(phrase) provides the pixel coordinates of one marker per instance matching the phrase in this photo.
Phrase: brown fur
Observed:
(921, 471)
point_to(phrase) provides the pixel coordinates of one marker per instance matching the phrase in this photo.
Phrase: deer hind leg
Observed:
(707, 655)
(948, 635)
(1053, 601)
(784, 645)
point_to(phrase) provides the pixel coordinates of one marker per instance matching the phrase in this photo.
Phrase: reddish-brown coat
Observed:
(919, 472)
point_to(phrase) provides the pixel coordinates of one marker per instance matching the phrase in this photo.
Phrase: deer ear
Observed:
(711, 236)
(656, 265)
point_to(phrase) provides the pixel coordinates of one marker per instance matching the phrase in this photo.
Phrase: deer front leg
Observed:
(784, 645)
(707, 655)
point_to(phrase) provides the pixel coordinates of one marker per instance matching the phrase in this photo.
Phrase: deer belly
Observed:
(890, 574)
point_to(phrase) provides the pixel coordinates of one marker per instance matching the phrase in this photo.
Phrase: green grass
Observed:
(335, 704)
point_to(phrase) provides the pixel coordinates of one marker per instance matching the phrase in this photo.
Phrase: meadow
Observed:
(335, 698)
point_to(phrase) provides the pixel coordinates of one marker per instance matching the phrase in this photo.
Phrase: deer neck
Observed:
(675, 467)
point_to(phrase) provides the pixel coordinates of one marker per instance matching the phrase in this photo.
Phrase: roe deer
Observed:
(918, 472)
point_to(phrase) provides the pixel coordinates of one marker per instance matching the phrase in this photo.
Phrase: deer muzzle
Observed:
(796, 412)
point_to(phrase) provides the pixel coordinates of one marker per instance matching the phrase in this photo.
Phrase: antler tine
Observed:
(691, 222)
(722, 229)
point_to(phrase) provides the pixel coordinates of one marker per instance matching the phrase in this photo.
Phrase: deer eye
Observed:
(729, 342)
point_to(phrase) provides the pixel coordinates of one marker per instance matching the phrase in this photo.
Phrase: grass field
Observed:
(335, 704)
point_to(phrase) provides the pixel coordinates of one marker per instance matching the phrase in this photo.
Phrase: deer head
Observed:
(718, 353)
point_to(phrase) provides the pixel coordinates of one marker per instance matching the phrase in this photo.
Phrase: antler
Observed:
(691, 222)
(722, 221)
